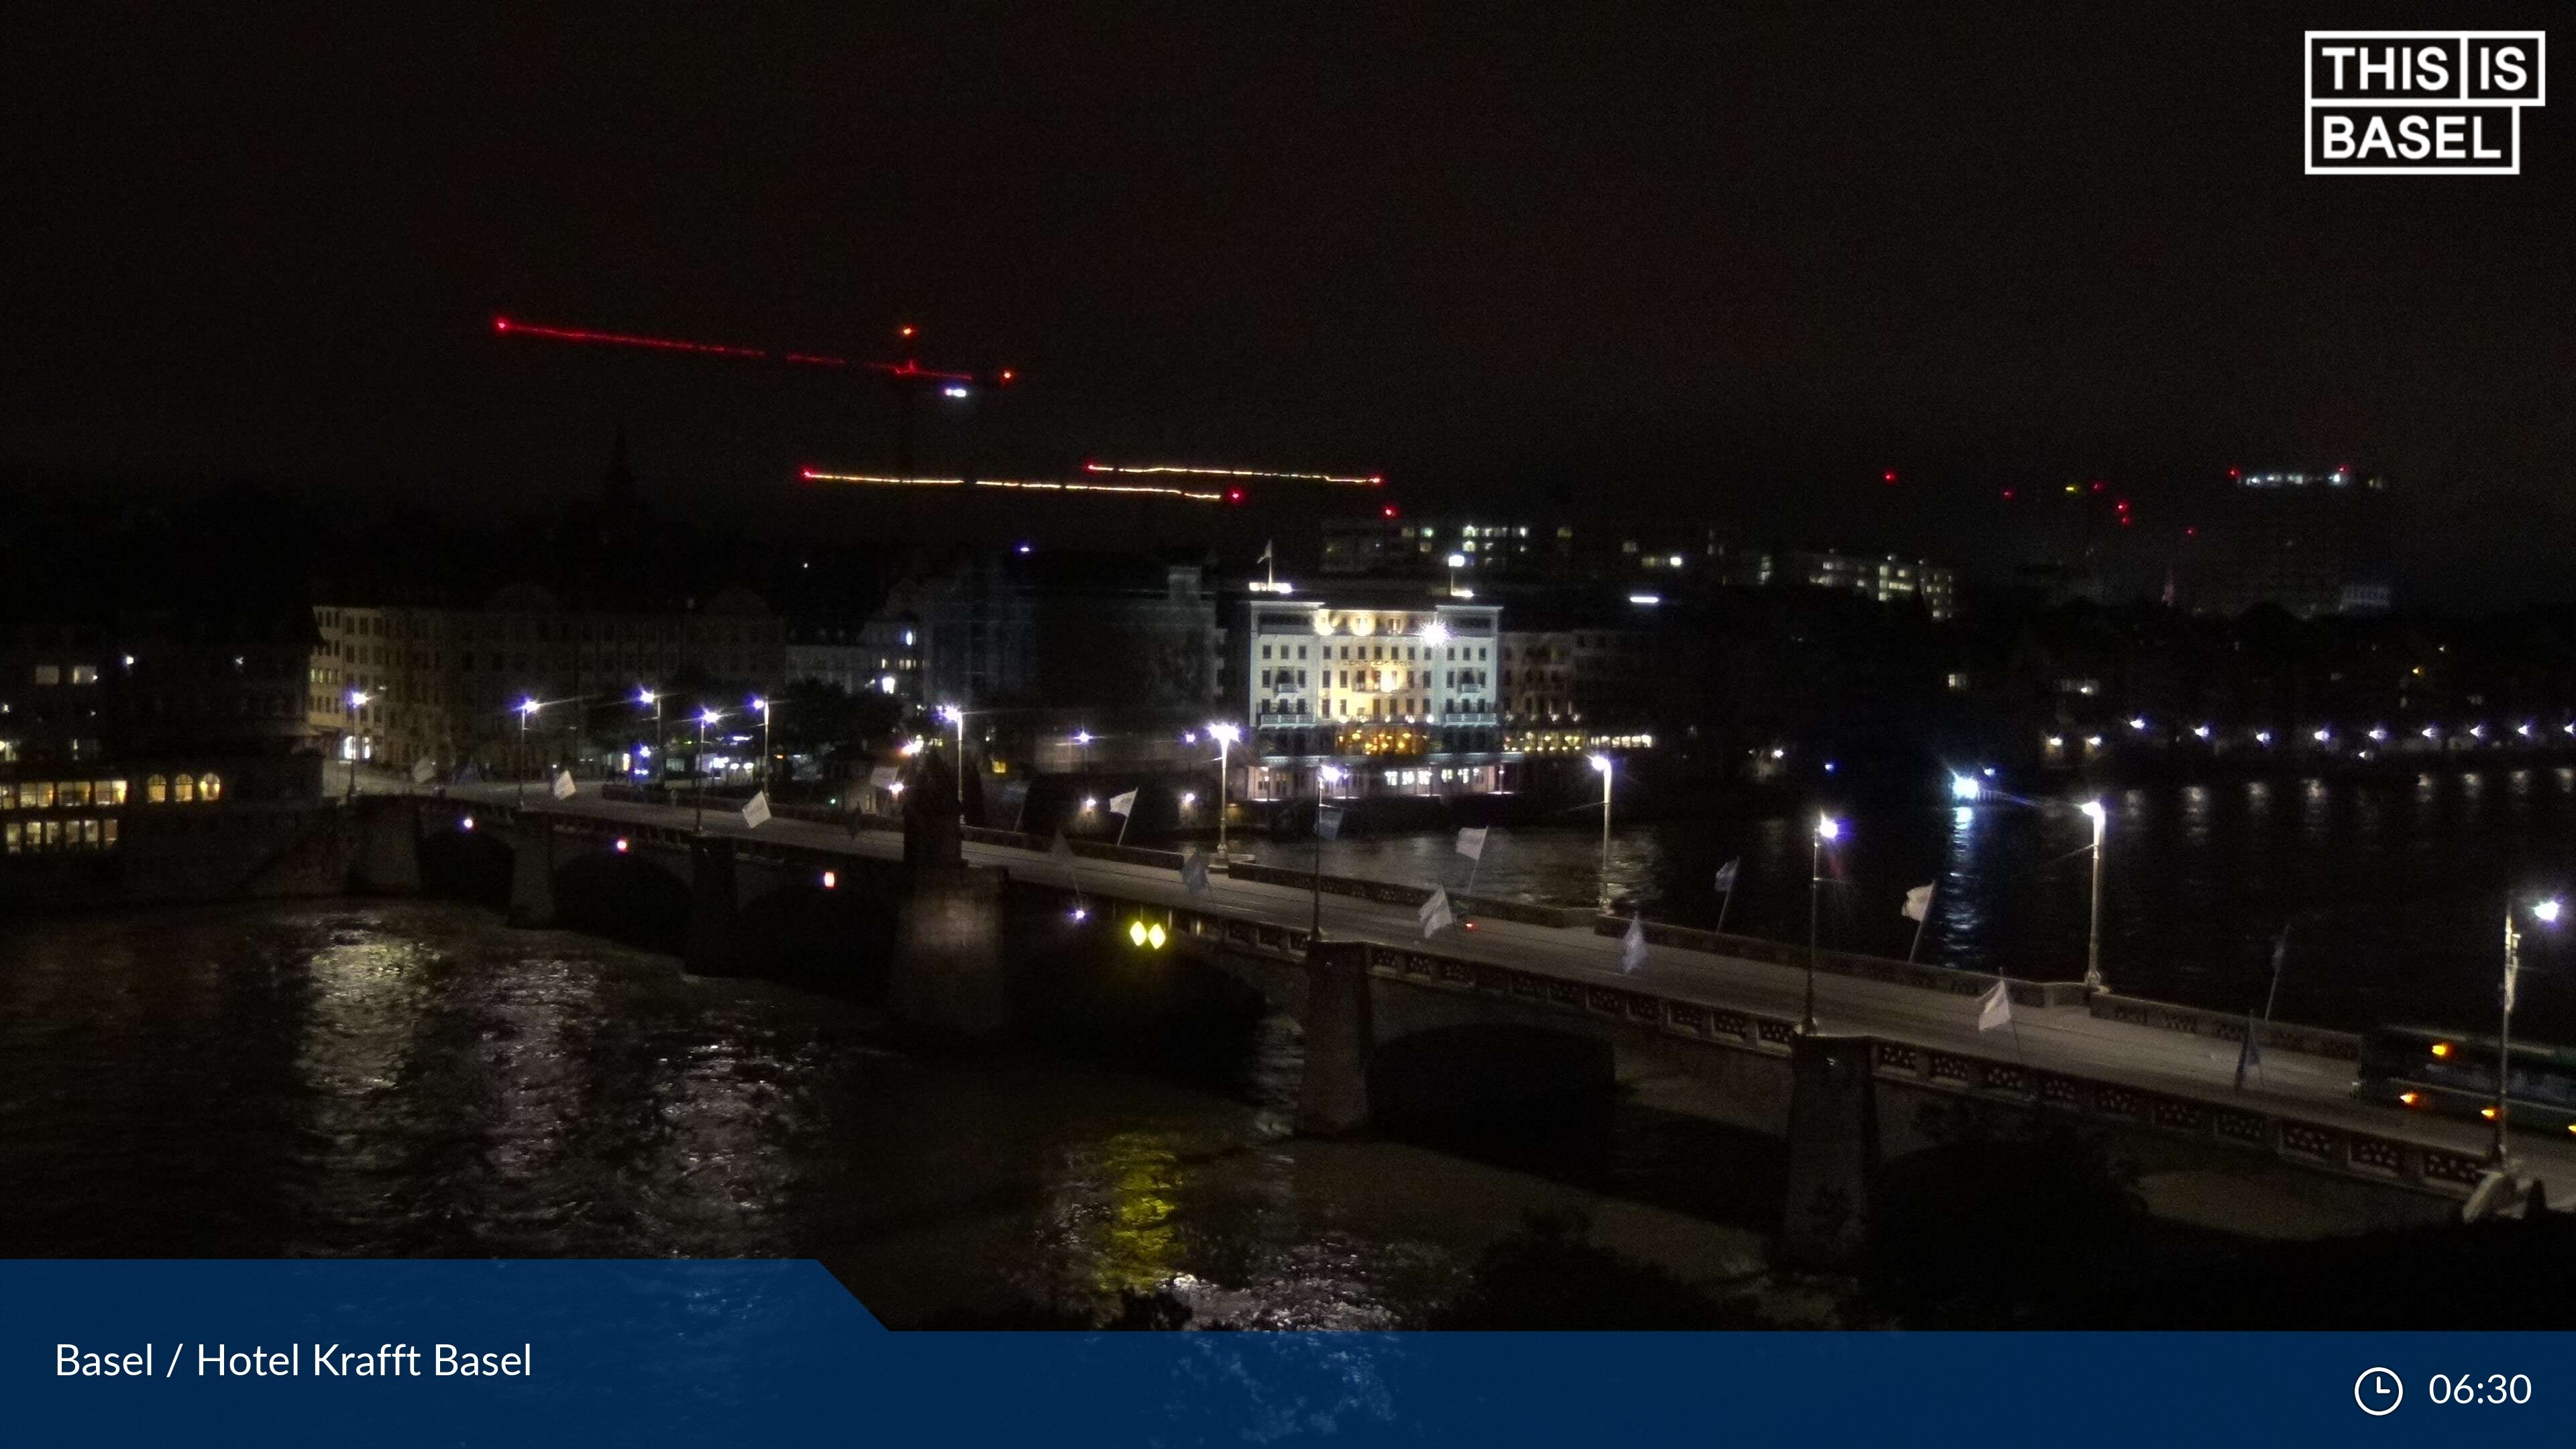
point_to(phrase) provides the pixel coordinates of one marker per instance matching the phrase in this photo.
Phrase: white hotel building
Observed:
(1397, 699)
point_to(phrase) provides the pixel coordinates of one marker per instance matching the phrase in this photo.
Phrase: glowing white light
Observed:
(529, 706)
(2094, 812)
(1646, 600)
(1828, 828)
(2523, 730)
(2430, 732)
(1226, 732)
(2201, 731)
(1435, 633)
(2262, 737)
(1964, 787)
(1189, 798)
(643, 696)
(2547, 911)
(621, 845)
(1090, 802)
(2137, 722)
(830, 880)
(2321, 734)
(2379, 732)
(2093, 742)
(465, 824)
(1601, 763)
(953, 391)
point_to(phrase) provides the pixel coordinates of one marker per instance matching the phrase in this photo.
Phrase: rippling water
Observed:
(2395, 888)
(406, 1079)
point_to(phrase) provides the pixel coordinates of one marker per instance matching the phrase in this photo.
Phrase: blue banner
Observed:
(754, 1352)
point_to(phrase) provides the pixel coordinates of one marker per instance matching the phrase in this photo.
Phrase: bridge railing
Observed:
(1394, 893)
(1919, 975)
(2226, 1026)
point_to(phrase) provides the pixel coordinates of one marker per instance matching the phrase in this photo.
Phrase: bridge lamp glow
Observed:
(2200, 731)
(529, 706)
(2546, 912)
(621, 845)
(1601, 763)
(1964, 787)
(2262, 737)
(1136, 932)
(2094, 812)
(1189, 798)
(2411, 1099)
(2322, 735)
(710, 716)
(2477, 731)
(2523, 730)
(1225, 732)
(895, 789)
(1457, 560)
(643, 696)
(1090, 803)
(1079, 914)
(2137, 722)
(831, 880)
(2429, 732)
(950, 714)
(1828, 828)
(2442, 1049)
(2379, 733)
(465, 824)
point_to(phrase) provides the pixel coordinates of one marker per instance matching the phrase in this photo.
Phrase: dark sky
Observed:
(1710, 259)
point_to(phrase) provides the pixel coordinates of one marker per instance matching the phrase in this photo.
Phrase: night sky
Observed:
(1706, 260)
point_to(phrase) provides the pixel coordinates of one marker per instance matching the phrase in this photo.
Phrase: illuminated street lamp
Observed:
(527, 711)
(953, 715)
(1964, 787)
(1326, 776)
(1827, 829)
(1608, 768)
(2094, 812)
(2545, 912)
(357, 701)
(698, 768)
(661, 747)
(1226, 735)
(762, 704)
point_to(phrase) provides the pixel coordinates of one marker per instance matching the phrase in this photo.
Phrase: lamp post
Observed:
(1607, 767)
(2094, 812)
(1226, 735)
(1326, 776)
(2545, 912)
(357, 701)
(527, 711)
(761, 703)
(1827, 828)
(660, 745)
(698, 768)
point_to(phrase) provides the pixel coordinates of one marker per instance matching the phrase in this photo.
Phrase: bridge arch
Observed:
(1491, 1079)
(631, 896)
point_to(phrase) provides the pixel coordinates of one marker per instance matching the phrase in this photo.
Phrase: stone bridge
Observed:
(1522, 1006)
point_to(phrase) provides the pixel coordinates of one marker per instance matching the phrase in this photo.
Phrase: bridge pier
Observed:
(947, 969)
(1333, 1098)
(1833, 1151)
(389, 846)
(532, 874)
(714, 907)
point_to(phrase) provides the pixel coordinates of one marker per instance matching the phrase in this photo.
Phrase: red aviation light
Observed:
(1234, 495)
(665, 344)
(1390, 511)
(1887, 477)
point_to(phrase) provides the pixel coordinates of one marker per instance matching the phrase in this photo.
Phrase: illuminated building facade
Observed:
(1886, 578)
(1400, 697)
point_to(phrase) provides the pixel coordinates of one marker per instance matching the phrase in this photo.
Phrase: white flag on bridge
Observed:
(1328, 822)
(563, 784)
(1435, 914)
(1994, 1009)
(1471, 842)
(1918, 902)
(1726, 874)
(755, 811)
(422, 769)
(1123, 804)
(1194, 872)
(1632, 947)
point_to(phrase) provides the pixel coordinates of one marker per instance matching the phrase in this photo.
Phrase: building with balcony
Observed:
(1394, 696)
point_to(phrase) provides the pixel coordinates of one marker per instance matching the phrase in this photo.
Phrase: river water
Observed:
(417, 1079)
(2394, 889)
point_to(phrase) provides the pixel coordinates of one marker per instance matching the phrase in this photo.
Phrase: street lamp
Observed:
(698, 767)
(1226, 735)
(1827, 829)
(1965, 787)
(1326, 776)
(2094, 812)
(527, 711)
(1607, 767)
(357, 701)
(661, 747)
(762, 704)
(2545, 912)
(957, 717)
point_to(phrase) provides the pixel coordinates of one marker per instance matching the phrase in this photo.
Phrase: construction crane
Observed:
(908, 377)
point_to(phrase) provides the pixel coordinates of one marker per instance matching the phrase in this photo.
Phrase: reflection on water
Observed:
(410, 1079)
(2389, 886)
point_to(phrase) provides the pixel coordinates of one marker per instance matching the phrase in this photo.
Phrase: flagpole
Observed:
(1724, 902)
(1124, 821)
(1919, 923)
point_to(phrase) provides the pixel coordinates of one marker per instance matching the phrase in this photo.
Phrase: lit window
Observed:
(72, 793)
(36, 795)
(184, 790)
(210, 787)
(156, 790)
(48, 674)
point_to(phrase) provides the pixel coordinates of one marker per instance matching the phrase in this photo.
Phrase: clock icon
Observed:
(2378, 1392)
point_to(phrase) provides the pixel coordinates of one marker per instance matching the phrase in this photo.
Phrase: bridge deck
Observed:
(2061, 1039)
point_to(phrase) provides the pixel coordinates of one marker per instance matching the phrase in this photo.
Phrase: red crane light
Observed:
(2008, 495)
(1887, 477)
(1389, 511)
(1234, 495)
